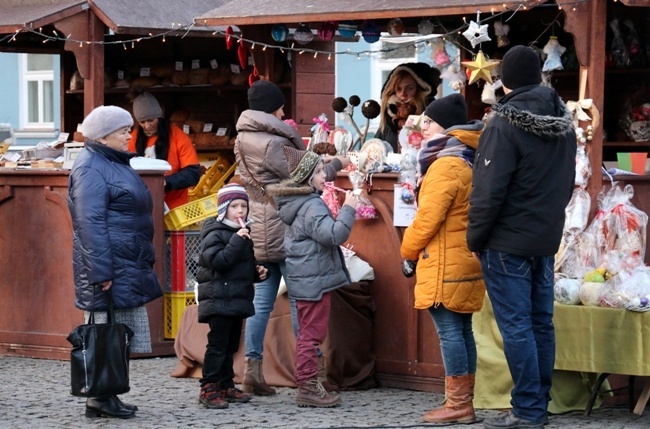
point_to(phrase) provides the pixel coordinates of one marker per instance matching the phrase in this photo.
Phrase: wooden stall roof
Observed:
(155, 16)
(18, 14)
(253, 12)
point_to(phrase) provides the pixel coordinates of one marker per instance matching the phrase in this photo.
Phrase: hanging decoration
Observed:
(255, 75)
(370, 32)
(425, 27)
(303, 34)
(395, 27)
(279, 32)
(242, 55)
(347, 29)
(327, 30)
(501, 30)
(454, 76)
(480, 68)
(477, 33)
(554, 52)
(488, 96)
(440, 55)
(229, 33)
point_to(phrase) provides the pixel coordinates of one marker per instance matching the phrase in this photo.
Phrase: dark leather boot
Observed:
(107, 406)
(124, 405)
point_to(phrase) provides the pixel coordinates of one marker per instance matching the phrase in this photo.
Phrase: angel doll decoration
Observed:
(554, 52)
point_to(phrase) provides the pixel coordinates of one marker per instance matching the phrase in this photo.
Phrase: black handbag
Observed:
(99, 358)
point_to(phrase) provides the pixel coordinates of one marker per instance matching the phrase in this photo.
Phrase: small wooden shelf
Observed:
(177, 88)
(215, 148)
(626, 144)
(627, 71)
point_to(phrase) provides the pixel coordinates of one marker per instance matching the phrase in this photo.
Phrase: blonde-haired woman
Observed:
(409, 87)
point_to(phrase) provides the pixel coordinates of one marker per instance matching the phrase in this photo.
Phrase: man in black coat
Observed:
(523, 179)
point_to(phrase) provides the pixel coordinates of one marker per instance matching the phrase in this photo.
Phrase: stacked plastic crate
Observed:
(183, 246)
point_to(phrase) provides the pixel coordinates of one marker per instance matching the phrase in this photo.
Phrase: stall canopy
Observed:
(19, 14)
(120, 16)
(143, 16)
(255, 12)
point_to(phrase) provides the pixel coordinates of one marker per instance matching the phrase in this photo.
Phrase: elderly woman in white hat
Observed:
(112, 226)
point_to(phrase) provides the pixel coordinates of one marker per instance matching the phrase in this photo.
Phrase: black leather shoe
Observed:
(509, 420)
(107, 407)
(124, 405)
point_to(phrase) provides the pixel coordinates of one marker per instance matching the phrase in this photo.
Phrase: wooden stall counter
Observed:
(37, 309)
(406, 344)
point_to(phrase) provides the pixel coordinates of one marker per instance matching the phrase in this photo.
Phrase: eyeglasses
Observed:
(427, 122)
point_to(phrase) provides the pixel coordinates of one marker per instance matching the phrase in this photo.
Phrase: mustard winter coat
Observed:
(446, 272)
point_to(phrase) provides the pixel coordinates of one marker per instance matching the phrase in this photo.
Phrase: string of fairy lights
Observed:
(182, 30)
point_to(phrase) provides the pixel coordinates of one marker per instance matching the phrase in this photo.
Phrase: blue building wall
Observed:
(10, 105)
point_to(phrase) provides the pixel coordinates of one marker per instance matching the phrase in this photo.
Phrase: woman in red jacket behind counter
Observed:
(157, 138)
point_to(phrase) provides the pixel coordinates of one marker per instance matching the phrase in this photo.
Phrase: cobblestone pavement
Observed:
(34, 393)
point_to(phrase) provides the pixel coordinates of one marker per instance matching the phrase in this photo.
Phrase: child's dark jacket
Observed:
(226, 272)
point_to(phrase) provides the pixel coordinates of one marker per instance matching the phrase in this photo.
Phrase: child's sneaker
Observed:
(212, 396)
(232, 394)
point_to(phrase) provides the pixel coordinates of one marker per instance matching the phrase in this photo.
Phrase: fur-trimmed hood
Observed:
(289, 197)
(555, 119)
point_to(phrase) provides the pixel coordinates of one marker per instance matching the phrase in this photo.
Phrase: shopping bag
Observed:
(99, 358)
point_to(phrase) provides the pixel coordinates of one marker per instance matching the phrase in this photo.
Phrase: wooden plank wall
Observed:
(314, 83)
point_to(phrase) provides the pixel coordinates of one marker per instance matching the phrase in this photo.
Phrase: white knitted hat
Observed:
(105, 120)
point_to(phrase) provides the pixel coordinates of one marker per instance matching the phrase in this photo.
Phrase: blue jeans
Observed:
(521, 291)
(265, 294)
(456, 340)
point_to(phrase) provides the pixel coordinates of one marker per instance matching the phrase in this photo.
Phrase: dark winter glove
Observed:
(408, 268)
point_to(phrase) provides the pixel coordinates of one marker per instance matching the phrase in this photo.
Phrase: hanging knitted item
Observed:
(242, 54)
(255, 75)
(553, 51)
(476, 33)
(501, 31)
(440, 55)
(229, 33)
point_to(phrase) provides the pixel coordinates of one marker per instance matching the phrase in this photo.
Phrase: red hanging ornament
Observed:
(242, 54)
(229, 33)
(253, 76)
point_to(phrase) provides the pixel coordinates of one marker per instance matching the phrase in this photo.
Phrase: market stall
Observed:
(407, 352)
(37, 311)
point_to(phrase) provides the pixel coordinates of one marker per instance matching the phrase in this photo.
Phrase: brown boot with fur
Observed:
(459, 407)
(322, 374)
(254, 382)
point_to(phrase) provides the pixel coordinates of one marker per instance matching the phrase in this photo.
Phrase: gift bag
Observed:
(99, 358)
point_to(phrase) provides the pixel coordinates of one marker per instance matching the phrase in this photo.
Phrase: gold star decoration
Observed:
(480, 68)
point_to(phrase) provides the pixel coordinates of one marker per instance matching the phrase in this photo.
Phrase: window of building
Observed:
(36, 91)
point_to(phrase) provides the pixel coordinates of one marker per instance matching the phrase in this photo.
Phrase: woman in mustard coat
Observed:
(448, 278)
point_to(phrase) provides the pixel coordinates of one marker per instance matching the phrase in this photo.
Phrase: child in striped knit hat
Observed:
(227, 271)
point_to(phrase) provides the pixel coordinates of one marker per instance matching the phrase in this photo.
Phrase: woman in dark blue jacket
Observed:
(112, 226)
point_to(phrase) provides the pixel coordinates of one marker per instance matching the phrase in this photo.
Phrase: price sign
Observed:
(403, 213)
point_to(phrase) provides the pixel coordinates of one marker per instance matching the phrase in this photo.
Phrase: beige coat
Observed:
(260, 137)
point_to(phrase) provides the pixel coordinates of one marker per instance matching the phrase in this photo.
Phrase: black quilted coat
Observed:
(112, 226)
(226, 272)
